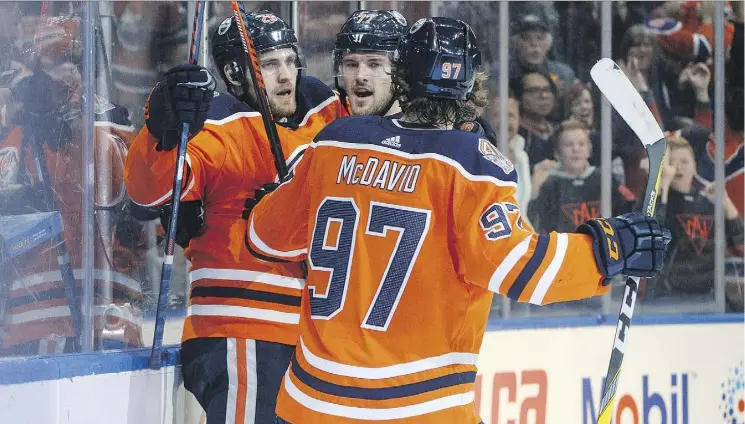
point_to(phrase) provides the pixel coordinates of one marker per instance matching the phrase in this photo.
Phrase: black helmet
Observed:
(371, 30)
(268, 31)
(368, 30)
(438, 57)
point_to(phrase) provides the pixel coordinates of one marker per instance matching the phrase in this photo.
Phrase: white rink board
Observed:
(550, 375)
(135, 397)
(547, 375)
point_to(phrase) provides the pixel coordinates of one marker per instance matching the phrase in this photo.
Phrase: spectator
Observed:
(689, 214)
(532, 41)
(577, 104)
(570, 193)
(637, 59)
(515, 148)
(537, 94)
(698, 76)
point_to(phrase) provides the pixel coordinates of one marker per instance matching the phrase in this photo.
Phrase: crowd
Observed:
(666, 49)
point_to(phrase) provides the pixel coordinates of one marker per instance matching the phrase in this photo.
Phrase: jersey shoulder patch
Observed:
(493, 155)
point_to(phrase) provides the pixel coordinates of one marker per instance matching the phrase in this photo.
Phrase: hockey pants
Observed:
(235, 380)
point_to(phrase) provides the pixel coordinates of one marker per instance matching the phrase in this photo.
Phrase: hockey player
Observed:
(408, 227)
(241, 324)
(363, 51)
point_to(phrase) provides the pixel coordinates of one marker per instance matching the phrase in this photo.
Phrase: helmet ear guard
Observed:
(439, 58)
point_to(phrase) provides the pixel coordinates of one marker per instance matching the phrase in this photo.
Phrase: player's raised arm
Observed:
(184, 95)
(497, 250)
(278, 221)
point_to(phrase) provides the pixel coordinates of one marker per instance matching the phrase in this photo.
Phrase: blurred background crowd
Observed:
(75, 259)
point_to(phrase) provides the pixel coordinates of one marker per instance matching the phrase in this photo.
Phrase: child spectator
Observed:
(569, 194)
(689, 214)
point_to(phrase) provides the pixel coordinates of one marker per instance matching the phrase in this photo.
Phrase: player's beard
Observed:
(378, 107)
(283, 108)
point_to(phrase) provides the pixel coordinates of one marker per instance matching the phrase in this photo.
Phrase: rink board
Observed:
(676, 372)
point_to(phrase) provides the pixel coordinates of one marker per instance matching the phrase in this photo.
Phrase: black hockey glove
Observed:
(189, 223)
(631, 244)
(183, 95)
(258, 195)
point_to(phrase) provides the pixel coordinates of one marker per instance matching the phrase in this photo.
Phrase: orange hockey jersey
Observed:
(407, 232)
(233, 294)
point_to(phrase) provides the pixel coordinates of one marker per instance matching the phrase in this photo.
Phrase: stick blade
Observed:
(619, 91)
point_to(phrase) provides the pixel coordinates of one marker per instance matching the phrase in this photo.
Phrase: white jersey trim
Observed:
(39, 314)
(243, 312)
(231, 118)
(508, 263)
(313, 111)
(98, 274)
(379, 373)
(562, 242)
(246, 275)
(162, 199)
(415, 156)
(256, 240)
(376, 414)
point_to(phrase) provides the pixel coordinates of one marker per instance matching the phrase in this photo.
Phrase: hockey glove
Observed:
(183, 95)
(258, 195)
(189, 223)
(631, 244)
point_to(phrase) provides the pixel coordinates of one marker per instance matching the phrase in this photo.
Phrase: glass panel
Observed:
(673, 70)
(318, 23)
(559, 117)
(41, 182)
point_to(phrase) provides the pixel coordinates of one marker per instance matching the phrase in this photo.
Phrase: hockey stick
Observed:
(156, 354)
(258, 84)
(626, 100)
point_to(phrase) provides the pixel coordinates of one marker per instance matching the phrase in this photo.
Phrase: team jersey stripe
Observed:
(414, 156)
(509, 262)
(381, 393)
(531, 267)
(268, 251)
(314, 110)
(239, 293)
(232, 117)
(243, 312)
(376, 414)
(188, 181)
(246, 275)
(562, 242)
(379, 373)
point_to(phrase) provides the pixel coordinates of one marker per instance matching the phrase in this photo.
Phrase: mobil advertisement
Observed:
(671, 374)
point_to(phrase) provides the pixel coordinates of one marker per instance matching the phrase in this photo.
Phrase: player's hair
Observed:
(675, 142)
(440, 111)
(568, 125)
